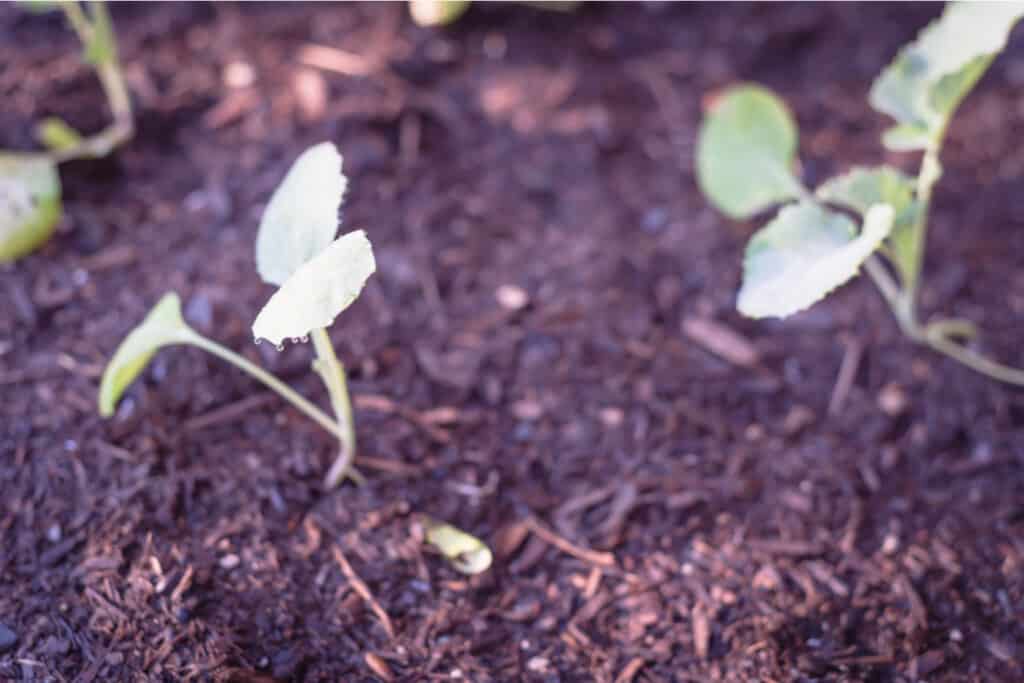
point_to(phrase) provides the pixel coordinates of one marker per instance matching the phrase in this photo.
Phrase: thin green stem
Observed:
(332, 372)
(111, 80)
(928, 174)
(261, 375)
(977, 362)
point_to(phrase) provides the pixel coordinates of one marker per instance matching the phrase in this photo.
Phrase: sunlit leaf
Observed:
(162, 326)
(318, 291)
(930, 76)
(436, 12)
(746, 152)
(467, 553)
(805, 253)
(57, 135)
(30, 206)
(301, 219)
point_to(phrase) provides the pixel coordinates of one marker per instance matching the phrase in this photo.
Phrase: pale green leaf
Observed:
(930, 76)
(57, 135)
(805, 253)
(38, 6)
(162, 326)
(746, 152)
(301, 219)
(861, 188)
(318, 291)
(906, 137)
(467, 553)
(436, 12)
(30, 206)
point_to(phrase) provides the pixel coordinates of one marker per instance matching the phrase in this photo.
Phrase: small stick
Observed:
(847, 371)
(360, 587)
(592, 556)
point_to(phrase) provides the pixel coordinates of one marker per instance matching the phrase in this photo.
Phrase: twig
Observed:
(844, 380)
(360, 587)
(592, 556)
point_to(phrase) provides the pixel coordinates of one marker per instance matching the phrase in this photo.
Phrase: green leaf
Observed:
(436, 12)
(101, 47)
(301, 219)
(57, 135)
(930, 76)
(861, 188)
(803, 254)
(318, 291)
(163, 326)
(30, 206)
(38, 6)
(467, 553)
(746, 151)
(906, 137)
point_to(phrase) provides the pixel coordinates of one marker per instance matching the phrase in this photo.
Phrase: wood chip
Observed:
(721, 341)
(360, 587)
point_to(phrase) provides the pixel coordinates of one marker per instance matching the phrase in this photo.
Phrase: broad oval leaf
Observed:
(467, 553)
(163, 326)
(803, 254)
(30, 206)
(301, 219)
(436, 12)
(318, 291)
(929, 77)
(746, 152)
(861, 188)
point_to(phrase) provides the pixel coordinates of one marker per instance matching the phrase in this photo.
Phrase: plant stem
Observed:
(977, 362)
(111, 80)
(261, 375)
(928, 174)
(332, 372)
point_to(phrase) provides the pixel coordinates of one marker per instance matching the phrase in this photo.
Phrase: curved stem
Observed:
(332, 372)
(977, 362)
(261, 375)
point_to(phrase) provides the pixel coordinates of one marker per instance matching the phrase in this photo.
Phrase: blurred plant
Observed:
(318, 278)
(745, 163)
(444, 12)
(30, 196)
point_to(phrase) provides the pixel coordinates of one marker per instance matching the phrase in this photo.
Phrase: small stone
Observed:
(527, 410)
(611, 417)
(512, 297)
(8, 639)
(892, 400)
(229, 561)
(54, 534)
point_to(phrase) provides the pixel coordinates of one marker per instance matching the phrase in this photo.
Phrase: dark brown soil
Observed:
(756, 535)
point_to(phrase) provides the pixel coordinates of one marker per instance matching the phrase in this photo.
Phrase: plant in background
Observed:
(745, 163)
(318, 277)
(30, 205)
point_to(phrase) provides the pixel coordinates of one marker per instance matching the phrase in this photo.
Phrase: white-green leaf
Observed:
(805, 253)
(746, 152)
(162, 326)
(302, 216)
(861, 188)
(318, 291)
(929, 77)
(436, 12)
(467, 553)
(30, 205)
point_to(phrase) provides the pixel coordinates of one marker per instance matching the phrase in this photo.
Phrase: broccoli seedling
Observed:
(318, 276)
(30, 204)
(746, 157)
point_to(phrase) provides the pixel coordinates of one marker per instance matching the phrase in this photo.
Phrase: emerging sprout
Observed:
(467, 553)
(746, 160)
(319, 276)
(30, 205)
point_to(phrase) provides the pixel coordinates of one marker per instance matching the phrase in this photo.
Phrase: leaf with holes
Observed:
(30, 206)
(805, 253)
(301, 219)
(746, 152)
(318, 291)
(162, 327)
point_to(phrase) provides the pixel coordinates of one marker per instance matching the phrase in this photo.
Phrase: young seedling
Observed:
(318, 278)
(745, 162)
(30, 205)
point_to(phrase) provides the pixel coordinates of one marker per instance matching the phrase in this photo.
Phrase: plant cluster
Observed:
(746, 159)
(30, 191)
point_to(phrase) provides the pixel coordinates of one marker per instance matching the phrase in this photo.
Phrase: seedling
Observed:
(745, 162)
(30, 205)
(318, 278)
